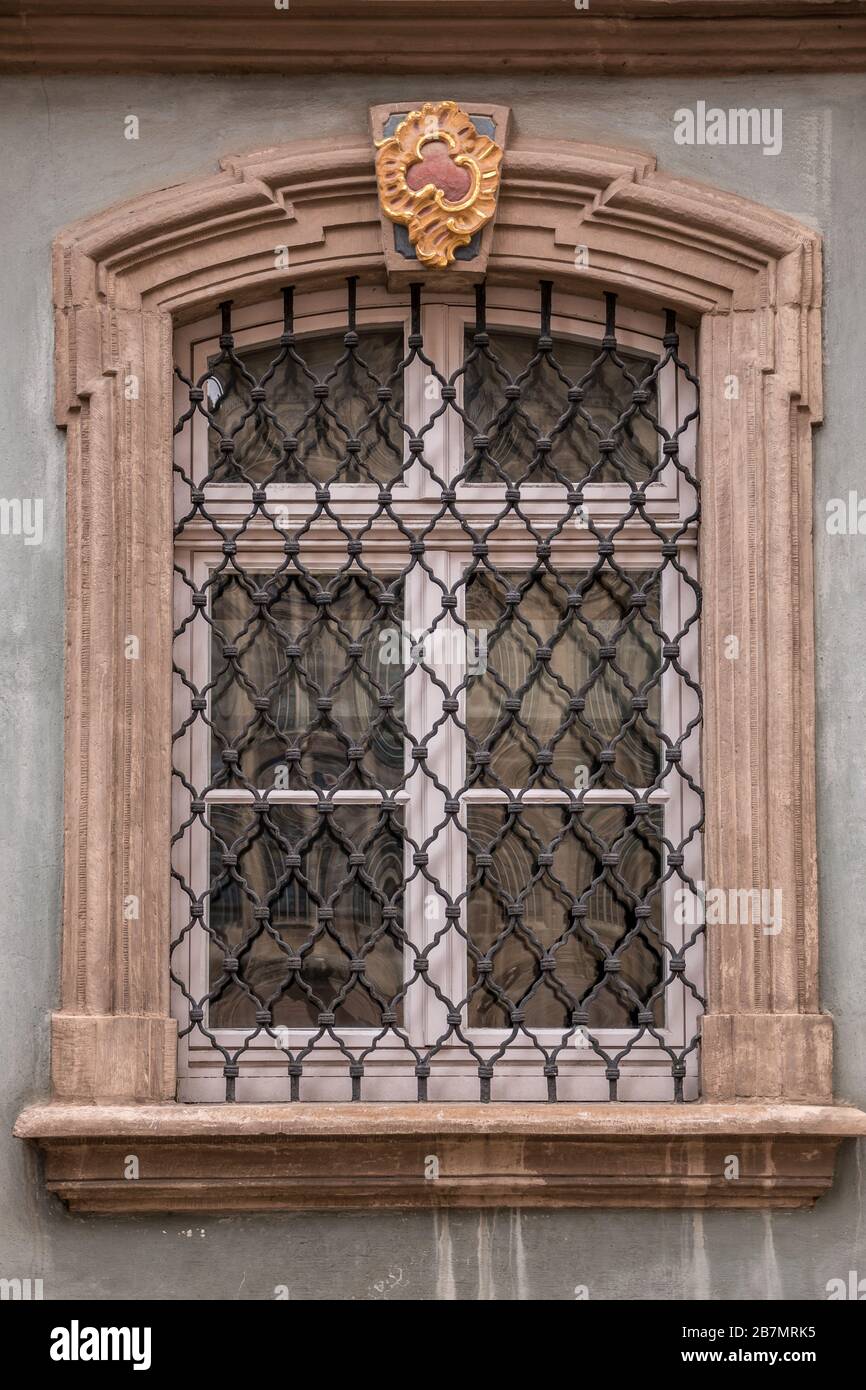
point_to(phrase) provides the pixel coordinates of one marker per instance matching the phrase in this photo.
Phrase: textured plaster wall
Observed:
(64, 155)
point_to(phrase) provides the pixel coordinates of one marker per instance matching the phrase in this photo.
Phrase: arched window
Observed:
(359, 889)
(437, 717)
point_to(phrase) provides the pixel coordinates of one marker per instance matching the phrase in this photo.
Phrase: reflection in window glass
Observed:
(544, 411)
(547, 716)
(576, 910)
(295, 436)
(294, 655)
(324, 913)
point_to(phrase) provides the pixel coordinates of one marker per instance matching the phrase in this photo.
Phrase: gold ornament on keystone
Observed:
(439, 177)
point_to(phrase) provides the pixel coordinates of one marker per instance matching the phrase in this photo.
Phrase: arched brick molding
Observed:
(749, 277)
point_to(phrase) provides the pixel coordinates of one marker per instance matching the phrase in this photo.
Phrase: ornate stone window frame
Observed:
(750, 280)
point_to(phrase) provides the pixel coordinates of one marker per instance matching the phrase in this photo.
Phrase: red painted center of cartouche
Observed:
(436, 166)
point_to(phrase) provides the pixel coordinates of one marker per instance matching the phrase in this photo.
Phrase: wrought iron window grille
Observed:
(434, 816)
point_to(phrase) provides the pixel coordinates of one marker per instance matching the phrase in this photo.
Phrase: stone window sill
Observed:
(217, 1158)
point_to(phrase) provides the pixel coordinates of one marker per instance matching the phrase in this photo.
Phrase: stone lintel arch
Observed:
(748, 277)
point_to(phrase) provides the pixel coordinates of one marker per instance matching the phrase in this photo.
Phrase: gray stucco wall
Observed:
(64, 155)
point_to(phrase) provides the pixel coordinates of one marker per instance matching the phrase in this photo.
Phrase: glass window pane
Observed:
(295, 437)
(547, 923)
(546, 718)
(544, 410)
(366, 921)
(295, 654)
